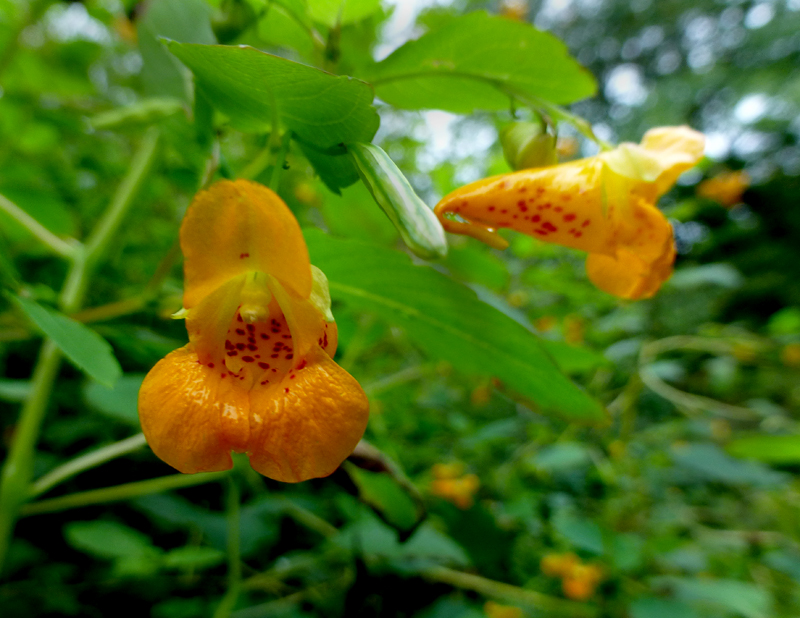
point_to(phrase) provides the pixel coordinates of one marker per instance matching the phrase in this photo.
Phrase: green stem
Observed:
(228, 602)
(53, 242)
(280, 159)
(100, 238)
(86, 462)
(508, 593)
(120, 492)
(18, 468)
(17, 472)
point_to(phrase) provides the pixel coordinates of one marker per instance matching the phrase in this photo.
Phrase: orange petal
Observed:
(677, 150)
(305, 426)
(562, 204)
(240, 226)
(208, 322)
(644, 257)
(191, 416)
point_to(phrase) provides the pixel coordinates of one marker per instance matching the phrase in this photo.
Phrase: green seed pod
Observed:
(418, 226)
(528, 144)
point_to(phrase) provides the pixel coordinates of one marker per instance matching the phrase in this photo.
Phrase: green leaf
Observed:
(562, 457)
(650, 607)
(769, 449)
(81, 345)
(252, 88)
(15, 390)
(182, 20)
(119, 402)
(333, 12)
(741, 598)
(580, 532)
(193, 558)
(108, 540)
(712, 463)
(448, 321)
(383, 493)
(477, 62)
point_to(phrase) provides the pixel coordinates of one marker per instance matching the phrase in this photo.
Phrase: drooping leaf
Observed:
(448, 321)
(478, 62)
(80, 344)
(252, 88)
(384, 494)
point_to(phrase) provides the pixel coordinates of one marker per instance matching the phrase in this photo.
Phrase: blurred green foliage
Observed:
(686, 499)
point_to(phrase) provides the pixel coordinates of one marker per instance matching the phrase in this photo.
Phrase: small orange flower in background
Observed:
(726, 188)
(257, 376)
(604, 205)
(578, 580)
(495, 610)
(790, 355)
(448, 483)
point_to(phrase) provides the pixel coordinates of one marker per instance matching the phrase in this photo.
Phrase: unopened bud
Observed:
(528, 144)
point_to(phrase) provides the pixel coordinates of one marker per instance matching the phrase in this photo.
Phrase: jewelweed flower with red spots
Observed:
(257, 376)
(604, 205)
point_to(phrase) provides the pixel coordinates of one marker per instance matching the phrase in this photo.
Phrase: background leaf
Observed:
(448, 321)
(80, 344)
(322, 109)
(445, 69)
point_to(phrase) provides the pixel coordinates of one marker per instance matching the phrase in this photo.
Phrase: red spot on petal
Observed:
(274, 355)
(289, 356)
(243, 255)
(569, 217)
(240, 331)
(264, 336)
(504, 210)
(558, 209)
(252, 347)
(264, 365)
(578, 234)
(523, 207)
(522, 189)
(536, 218)
(291, 377)
(232, 353)
(549, 226)
(228, 345)
(211, 365)
(250, 328)
(239, 318)
(248, 359)
(240, 346)
(491, 208)
(285, 390)
(302, 364)
(585, 223)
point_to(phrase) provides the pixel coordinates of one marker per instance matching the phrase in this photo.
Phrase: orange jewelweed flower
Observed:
(604, 205)
(558, 565)
(257, 376)
(449, 484)
(726, 188)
